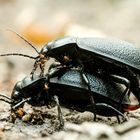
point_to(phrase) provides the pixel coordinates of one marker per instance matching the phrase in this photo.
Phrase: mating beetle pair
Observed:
(116, 60)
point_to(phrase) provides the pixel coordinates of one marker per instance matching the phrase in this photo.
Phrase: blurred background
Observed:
(40, 21)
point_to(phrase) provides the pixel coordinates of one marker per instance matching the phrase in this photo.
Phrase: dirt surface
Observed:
(108, 18)
(44, 124)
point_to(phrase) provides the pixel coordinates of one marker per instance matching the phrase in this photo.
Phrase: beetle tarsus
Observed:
(118, 119)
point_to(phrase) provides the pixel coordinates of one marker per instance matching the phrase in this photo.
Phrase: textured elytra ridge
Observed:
(118, 50)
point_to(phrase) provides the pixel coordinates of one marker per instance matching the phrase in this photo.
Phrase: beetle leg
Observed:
(60, 116)
(135, 85)
(118, 118)
(54, 65)
(114, 109)
(86, 80)
(34, 69)
(125, 118)
(42, 69)
(20, 103)
(53, 70)
(57, 70)
(122, 80)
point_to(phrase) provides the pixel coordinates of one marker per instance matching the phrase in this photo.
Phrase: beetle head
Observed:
(32, 90)
(16, 94)
(61, 49)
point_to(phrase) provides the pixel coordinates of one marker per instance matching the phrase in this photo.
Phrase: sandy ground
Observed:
(44, 124)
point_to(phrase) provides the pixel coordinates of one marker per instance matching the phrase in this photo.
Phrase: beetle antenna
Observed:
(5, 98)
(5, 101)
(18, 54)
(1, 95)
(24, 40)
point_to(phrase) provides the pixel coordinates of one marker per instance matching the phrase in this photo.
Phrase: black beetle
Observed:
(110, 58)
(69, 89)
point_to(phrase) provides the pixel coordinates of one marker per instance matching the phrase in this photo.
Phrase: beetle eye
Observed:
(44, 49)
(17, 95)
(50, 45)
